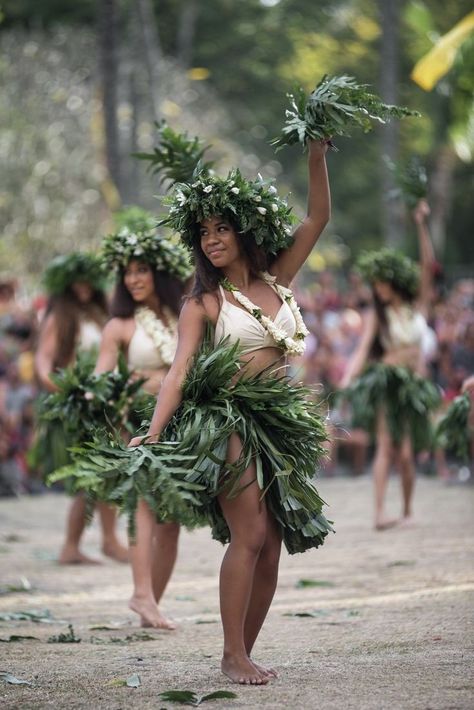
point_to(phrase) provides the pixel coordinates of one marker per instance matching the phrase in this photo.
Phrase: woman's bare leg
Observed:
(246, 517)
(111, 545)
(381, 470)
(76, 522)
(141, 557)
(408, 476)
(264, 586)
(164, 553)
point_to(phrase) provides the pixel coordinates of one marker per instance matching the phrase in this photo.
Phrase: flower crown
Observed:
(253, 205)
(391, 267)
(138, 238)
(67, 269)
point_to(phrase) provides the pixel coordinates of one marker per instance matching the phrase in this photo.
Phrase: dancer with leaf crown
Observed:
(75, 315)
(392, 398)
(269, 438)
(151, 275)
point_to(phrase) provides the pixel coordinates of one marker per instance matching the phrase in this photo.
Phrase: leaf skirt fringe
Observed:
(282, 434)
(406, 400)
(454, 431)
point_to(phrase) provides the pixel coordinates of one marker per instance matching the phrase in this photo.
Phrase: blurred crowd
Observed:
(334, 306)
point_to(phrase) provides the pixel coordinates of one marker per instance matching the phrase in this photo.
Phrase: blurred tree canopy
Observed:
(222, 69)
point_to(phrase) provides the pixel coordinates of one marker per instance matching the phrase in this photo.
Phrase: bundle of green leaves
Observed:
(411, 180)
(336, 106)
(176, 156)
(86, 402)
(252, 205)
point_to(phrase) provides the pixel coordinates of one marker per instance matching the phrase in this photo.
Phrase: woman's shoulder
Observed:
(119, 328)
(206, 306)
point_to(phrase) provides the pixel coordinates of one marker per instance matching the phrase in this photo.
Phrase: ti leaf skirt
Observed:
(282, 433)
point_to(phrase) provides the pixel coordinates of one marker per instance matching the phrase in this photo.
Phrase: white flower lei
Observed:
(165, 338)
(292, 346)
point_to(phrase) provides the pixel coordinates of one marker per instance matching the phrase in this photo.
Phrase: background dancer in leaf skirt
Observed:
(145, 307)
(392, 399)
(73, 322)
(235, 228)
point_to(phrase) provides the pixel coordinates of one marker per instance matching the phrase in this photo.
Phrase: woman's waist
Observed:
(256, 361)
(153, 378)
(403, 356)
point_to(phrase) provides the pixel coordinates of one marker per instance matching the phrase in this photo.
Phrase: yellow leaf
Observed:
(439, 60)
(199, 73)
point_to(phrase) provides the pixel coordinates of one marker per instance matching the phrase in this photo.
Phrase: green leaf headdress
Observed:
(336, 105)
(176, 156)
(253, 205)
(137, 237)
(392, 267)
(67, 269)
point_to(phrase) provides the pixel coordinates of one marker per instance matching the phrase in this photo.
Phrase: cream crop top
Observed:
(406, 327)
(239, 325)
(89, 335)
(142, 352)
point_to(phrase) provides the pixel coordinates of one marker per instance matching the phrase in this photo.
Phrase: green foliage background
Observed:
(254, 51)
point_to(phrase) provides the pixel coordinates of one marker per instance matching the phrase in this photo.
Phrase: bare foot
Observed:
(407, 522)
(385, 523)
(149, 614)
(115, 551)
(266, 671)
(73, 556)
(240, 669)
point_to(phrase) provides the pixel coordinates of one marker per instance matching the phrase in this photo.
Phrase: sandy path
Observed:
(391, 629)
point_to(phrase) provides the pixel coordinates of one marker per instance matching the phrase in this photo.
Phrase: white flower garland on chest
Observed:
(164, 337)
(291, 346)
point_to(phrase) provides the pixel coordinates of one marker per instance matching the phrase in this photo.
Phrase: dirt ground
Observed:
(389, 624)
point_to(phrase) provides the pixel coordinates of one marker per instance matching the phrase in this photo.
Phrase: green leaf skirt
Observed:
(282, 433)
(453, 431)
(405, 399)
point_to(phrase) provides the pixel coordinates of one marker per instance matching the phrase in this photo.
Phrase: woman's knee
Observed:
(405, 456)
(251, 536)
(167, 532)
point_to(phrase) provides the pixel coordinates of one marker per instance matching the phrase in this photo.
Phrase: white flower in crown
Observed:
(138, 251)
(262, 210)
(180, 197)
(208, 188)
(274, 207)
(272, 190)
(257, 198)
(132, 240)
(235, 190)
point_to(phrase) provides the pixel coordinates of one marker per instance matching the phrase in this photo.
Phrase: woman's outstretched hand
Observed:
(139, 440)
(421, 211)
(319, 147)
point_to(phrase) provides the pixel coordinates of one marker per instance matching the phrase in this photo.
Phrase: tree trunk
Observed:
(186, 32)
(151, 50)
(441, 194)
(107, 30)
(389, 134)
